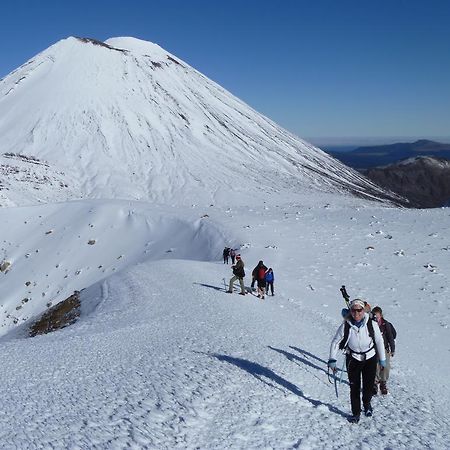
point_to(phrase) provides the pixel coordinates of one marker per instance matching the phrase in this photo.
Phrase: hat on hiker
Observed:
(377, 309)
(357, 302)
(238, 256)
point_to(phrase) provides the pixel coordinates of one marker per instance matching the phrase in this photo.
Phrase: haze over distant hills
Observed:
(381, 155)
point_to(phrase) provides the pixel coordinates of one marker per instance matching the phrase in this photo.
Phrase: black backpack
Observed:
(394, 331)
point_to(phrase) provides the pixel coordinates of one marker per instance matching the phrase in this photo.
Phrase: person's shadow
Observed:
(269, 377)
(210, 286)
(303, 361)
(223, 289)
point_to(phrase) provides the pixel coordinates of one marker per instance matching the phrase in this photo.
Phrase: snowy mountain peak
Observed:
(138, 47)
(126, 119)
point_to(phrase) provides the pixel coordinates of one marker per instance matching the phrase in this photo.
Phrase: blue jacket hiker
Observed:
(269, 280)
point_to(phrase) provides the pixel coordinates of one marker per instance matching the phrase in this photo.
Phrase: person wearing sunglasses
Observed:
(359, 337)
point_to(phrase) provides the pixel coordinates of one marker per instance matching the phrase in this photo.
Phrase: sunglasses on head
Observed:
(357, 309)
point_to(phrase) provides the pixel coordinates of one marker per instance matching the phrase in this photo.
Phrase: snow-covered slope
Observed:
(56, 249)
(126, 119)
(162, 357)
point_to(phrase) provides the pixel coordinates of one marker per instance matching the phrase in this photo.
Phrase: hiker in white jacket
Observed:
(360, 338)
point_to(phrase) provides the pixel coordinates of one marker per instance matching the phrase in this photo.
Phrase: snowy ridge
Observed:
(162, 357)
(129, 120)
(99, 238)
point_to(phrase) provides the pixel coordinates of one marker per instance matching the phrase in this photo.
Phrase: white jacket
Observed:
(359, 341)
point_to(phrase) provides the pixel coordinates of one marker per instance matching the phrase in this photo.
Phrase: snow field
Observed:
(162, 357)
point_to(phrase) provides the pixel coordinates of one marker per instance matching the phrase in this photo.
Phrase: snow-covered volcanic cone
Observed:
(126, 119)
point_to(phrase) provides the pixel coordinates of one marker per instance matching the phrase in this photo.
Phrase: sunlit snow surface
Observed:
(162, 357)
(123, 175)
(132, 121)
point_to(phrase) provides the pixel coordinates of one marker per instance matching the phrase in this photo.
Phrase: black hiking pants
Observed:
(355, 369)
(269, 284)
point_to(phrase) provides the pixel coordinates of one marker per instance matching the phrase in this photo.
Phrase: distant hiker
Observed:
(238, 274)
(260, 272)
(254, 277)
(226, 255)
(389, 335)
(269, 280)
(361, 339)
(233, 255)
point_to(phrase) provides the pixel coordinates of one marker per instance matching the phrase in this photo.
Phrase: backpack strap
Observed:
(343, 344)
(370, 329)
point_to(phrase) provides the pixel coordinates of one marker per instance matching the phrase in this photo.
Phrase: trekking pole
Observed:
(328, 375)
(336, 386)
(336, 380)
(342, 370)
(345, 295)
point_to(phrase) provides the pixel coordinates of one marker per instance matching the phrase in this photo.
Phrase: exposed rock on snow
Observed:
(63, 314)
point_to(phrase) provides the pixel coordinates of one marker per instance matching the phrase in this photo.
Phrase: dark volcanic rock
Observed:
(423, 180)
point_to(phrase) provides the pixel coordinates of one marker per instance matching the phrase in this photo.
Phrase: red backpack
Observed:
(261, 273)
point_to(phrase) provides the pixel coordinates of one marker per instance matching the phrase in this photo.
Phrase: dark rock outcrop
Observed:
(59, 316)
(423, 180)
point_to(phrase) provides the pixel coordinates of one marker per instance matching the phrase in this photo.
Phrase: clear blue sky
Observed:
(341, 68)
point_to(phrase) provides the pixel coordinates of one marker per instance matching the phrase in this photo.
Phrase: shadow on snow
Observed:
(210, 286)
(262, 373)
(304, 361)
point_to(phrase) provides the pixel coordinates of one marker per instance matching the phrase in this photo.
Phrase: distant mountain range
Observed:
(381, 155)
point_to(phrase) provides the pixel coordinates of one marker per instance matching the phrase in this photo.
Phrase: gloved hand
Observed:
(332, 364)
(382, 363)
(392, 354)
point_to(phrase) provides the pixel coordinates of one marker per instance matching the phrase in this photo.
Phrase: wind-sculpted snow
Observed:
(162, 357)
(141, 124)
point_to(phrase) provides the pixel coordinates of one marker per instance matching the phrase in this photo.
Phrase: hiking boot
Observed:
(375, 389)
(368, 412)
(262, 298)
(353, 419)
(383, 388)
(241, 293)
(259, 296)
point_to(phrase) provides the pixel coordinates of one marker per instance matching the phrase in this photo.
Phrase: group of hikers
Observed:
(229, 253)
(365, 337)
(262, 276)
(368, 342)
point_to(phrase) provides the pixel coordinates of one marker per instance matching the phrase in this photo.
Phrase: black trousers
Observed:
(269, 284)
(357, 369)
